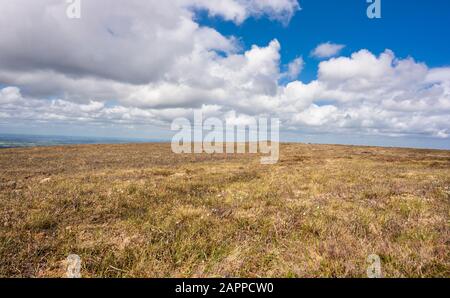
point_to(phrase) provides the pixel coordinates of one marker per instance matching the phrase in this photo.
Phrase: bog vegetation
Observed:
(142, 211)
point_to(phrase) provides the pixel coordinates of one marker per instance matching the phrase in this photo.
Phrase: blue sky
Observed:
(417, 28)
(128, 71)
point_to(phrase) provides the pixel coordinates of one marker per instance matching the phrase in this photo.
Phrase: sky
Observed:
(327, 71)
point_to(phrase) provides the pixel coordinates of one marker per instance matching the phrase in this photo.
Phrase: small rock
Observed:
(44, 180)
(179, 175)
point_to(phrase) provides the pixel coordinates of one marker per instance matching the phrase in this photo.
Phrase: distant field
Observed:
(142, 211)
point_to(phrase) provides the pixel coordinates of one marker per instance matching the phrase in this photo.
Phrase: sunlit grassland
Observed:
(142, 211)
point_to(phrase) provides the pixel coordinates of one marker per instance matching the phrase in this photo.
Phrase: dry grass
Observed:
(141, 211)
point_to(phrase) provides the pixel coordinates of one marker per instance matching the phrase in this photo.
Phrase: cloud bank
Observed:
(148, 62)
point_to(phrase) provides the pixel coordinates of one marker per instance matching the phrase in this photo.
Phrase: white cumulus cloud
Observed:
(149, 62)
(326, 50)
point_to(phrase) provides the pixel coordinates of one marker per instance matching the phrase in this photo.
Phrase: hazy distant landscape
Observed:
(20, 140)
(140, 210)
